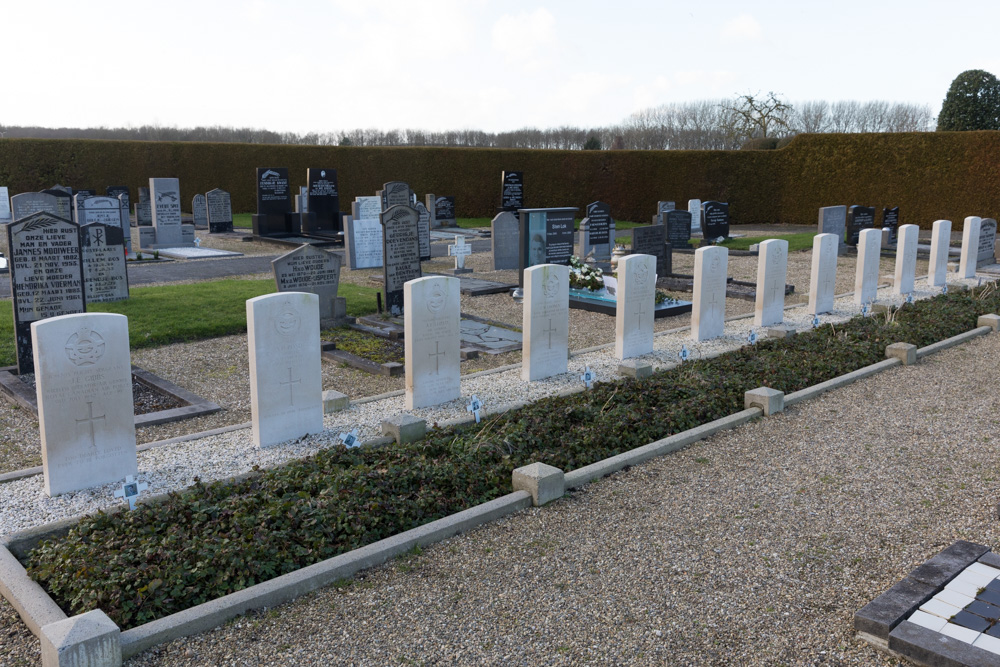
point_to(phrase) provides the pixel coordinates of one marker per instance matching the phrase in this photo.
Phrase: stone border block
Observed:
(634, 368)
(545, 483)
(926, 647)
(992, 321)
(905, 352)
(404, 427)
(770, 401)
(943, 567)
(90, 639)
(334, 401)
(779, 331)
(881, 615)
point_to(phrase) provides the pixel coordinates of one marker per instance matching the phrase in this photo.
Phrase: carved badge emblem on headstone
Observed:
(287, 323)
(641, 275)
(85, 347)
(435, 302)
(551, 286)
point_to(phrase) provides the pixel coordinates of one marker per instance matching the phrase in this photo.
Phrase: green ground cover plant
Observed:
(365, 345)
(167, 314)
(214, 539)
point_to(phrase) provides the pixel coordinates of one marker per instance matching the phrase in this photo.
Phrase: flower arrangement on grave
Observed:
(663, 297)
(584, 276)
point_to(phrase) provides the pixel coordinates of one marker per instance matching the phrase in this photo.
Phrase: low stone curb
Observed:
(842, 381)
(953, 341)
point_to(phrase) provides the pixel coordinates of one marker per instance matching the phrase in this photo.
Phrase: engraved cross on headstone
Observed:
(291, 389)
(130, 491)
(639, 312)
(459, 251)
(550, 330)
(436, 354)
(89, 420)
(774, 290)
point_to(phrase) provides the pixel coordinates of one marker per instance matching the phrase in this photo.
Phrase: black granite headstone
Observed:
(400, 252)
(324, 200)
(599, 215)
(715, 222)
(678, 224)
(652, 240)
(273, 194)
(220, 211)
(512, 191)
(859, 218)
(46, 276)
(546, 237)
(444, 208)
(890, 220)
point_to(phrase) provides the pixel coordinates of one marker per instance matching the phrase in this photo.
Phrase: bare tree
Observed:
(755, 115)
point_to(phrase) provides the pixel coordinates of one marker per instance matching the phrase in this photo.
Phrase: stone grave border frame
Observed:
(533, 485)
(20, 394)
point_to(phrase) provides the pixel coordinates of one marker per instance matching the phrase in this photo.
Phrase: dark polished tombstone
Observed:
(545, 237)
(512, 191)
(274, 215)
(715, 219)
(599, 215)
(890, 221)
(652, 240)
(220, 211)
(859, 218)
(444, 210)
(400, 252)
(678, 224)
(324, 201)
(46, 275)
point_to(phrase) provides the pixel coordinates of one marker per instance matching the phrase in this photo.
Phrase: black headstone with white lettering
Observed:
(599, 223)
(512, 191)
(859, 218)
(400, 252)
(444, 210)
(274, 203)
(324, 200)
(652, 240)
(546, 237)
(715, 222)
(890, 221)
(678, 224)
(46, 275)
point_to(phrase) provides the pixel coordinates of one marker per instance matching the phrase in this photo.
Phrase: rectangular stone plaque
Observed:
(400, 252)
(220, 211)
(273, 193)
(987, 242)
(546, 322)
(310, 269)
(364, 243)
(772, 267)
(694, 208)
(86, 419)
(144, 214)
(858, 219)
(46, 275)
(833, 220)
(199, 211)
(104, 272)
(512, 191)
(424, 231)
(165, 195)
(366, 208)
(708, 311)
(28, 203)
(635, 301)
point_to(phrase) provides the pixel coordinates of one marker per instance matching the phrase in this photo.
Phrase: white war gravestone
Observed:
(432, 340)
(970, 247)
(313, 270)
(937, 271)
(906, 259)
(5, 215)
(286, 385)
(824, 274)
(772, 268)
(866, 275)
(635, 302)
(708, 310)
(546, 321)
(694, 208)
(165, 197)
(83, 376)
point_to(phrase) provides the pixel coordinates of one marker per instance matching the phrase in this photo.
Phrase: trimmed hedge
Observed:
(929, 175)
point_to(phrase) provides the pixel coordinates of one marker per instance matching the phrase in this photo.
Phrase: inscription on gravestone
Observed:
(46, 275)
(716, 220)
(859, 218)
(512, 191)
(401, 253)
(220, 211)
(546, 237)
(310, 269)
(504, 233)
(273, 194)
(987, 242)
(678, 225)
(364, 242)
(424, 231)
(29, 203)
(5, 214)
(104, 210)
(144, 214)
(165, 194)
(599, 215)
(104, 271)
(444, 210)
(366, 208)
(64, 202)
(890, 221)
(395, 193)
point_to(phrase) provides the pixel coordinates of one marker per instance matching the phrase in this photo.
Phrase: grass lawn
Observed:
(242, 221)
(179, 313)
(801, 241)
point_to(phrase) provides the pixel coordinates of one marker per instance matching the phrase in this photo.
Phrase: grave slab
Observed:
(196, 253)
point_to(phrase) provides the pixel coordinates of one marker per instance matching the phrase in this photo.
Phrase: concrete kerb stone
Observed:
(404, 427)
(905, 352)
(545, 483)
(29, 599)
(953, 341)
(770, 401)
(90, 639)
(334, 401)
(992, 321)
(635, 368)
(837, 382)
(295, 584)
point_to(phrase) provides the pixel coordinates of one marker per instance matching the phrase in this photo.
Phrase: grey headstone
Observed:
(29, 203)
(199, 211)
(652, 240)
(64, 201)
(310, 269)
(363, 242)
(504, 232)
(424, 232)
(401, 253)
(678, 224)
(395, 193)
(220, 211)
(144, 213)
(104, 210)
(104, 273)
(987, 242)
(833, 220)
(5, 214)
(165, 195)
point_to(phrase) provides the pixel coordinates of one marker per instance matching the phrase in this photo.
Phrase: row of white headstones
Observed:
(83, 369)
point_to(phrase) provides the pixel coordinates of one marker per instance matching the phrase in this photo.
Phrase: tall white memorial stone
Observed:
(83, 376)
(165, 199)
(636, 299)
(906, 259)
(866, 276)
(772, 268)
(937, 271)
(824, 273)
(694, 208)
(286, 384)
(970, 246)
(546, 321)
(708, 311)
(432, 341)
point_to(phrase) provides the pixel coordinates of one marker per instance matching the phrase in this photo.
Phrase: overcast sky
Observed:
(330, 65)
